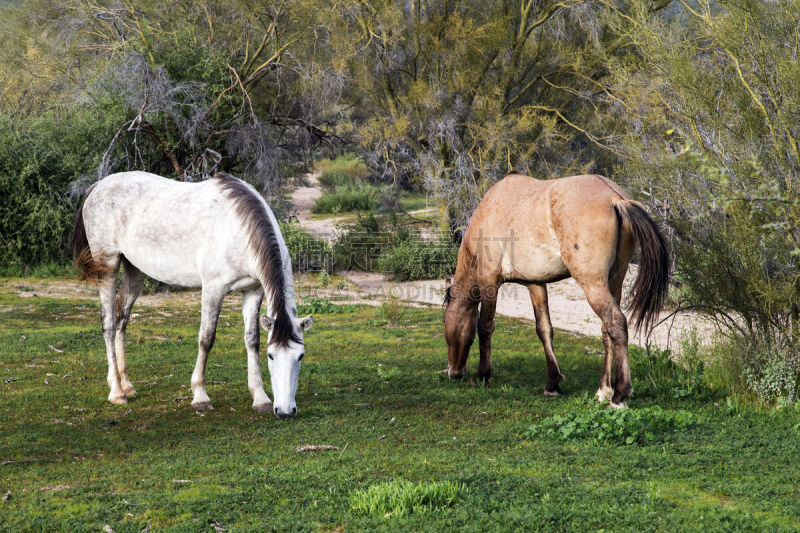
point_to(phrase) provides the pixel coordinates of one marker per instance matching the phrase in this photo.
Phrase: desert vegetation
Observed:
(407, 112)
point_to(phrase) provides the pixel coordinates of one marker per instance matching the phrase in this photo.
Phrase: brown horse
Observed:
(535, 232)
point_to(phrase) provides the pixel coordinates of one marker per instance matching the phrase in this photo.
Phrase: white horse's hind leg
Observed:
(251, 304)
(132, 281)
(211, 302)
(108, 289)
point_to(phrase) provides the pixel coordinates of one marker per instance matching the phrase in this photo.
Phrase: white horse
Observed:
(219, 235)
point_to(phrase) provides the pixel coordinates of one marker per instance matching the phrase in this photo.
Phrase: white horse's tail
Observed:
(91, 268)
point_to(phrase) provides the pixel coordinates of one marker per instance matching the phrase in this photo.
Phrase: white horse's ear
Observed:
(305, 323)
(267, 323)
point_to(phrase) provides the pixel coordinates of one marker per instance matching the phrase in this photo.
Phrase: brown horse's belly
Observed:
(539, 263)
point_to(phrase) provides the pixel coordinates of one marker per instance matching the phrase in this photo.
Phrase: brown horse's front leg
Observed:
(544, 329)
(485, 331)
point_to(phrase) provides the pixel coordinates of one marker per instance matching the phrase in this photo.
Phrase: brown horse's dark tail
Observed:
(90, 268)
(650, 288)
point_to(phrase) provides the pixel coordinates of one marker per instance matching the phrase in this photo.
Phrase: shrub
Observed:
(710, 144)
(346, 169)
(416, 258)
(399, 498)
(402, 254)
(347, 198)
(360, 245)
(40, 157)
(613, 426)
(308, 253)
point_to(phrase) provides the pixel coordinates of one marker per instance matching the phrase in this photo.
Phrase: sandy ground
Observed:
(569, 309)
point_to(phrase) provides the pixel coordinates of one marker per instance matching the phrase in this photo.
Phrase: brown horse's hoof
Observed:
(620, 405)
(604, 394)
(552, 393)
(476, 381)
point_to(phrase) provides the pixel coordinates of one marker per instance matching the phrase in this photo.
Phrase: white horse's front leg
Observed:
(211, 304)
(251, 304)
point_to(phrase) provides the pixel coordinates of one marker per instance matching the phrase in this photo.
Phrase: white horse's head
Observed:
(284, 367)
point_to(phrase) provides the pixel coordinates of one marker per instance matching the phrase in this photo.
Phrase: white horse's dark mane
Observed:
(265, 244)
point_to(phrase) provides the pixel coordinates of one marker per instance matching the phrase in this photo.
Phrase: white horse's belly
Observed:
(178, 269)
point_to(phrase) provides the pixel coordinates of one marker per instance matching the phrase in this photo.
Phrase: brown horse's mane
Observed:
(265, 244)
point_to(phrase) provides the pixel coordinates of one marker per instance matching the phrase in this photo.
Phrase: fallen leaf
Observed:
(7, 496)
(108, 529)
(382, 437)
(54, 487)
(59, 351)
(181, 480)
(316, 448)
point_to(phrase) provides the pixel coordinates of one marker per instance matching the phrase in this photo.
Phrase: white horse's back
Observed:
(177, 233)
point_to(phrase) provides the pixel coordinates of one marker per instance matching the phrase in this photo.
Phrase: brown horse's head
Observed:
(460, 322)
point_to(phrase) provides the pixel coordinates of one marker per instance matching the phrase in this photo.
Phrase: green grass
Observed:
(73, 462)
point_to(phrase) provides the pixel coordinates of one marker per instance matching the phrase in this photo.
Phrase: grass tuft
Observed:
(400, 498)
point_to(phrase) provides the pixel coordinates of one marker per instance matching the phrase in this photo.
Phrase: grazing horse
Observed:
(534, 232)
(219, 235)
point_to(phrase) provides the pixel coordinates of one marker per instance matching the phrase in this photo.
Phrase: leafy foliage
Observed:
(323, 306)
(399, 497)
(613, 426)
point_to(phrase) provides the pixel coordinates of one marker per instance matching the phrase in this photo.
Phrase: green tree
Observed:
(714, 145)
(453, 94)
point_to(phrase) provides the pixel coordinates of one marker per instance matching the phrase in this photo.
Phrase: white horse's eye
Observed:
(270, 357)
(301, 356)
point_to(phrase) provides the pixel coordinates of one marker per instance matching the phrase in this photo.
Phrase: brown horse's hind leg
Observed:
(615, 327)
(544, 329)
(132, 283)
(605, 392)
(485, 331)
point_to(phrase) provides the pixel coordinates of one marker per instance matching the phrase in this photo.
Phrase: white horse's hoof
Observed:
(203, 406)
(604, 394)
(620, 405)
(129, 391)
(263, 407)
(118, 400)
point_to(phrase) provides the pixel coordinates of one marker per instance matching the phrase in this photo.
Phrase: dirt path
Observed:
(569, 309)
(303, 199)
